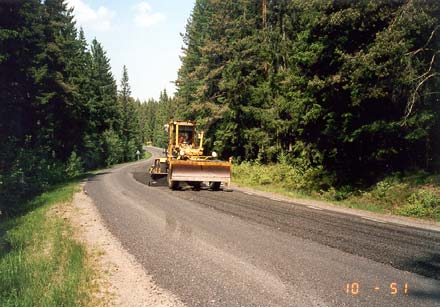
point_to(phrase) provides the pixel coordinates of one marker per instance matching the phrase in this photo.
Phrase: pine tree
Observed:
(60, 34)
(150, 109)
(346, 86)
(130, 122)
(21, 49)
(162, 116)
(102, 108)
(58, 101)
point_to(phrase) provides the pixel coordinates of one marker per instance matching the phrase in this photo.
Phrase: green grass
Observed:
(147, 155)
(40, 262)
(363, 206)
(415, 195)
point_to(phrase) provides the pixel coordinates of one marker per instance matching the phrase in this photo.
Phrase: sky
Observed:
(143, 35)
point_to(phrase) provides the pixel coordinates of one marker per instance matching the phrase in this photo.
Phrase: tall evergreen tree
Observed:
(58, 100)
(130, 118)
(102, 108)
(345, 85)
(22, 47)
(57, 91)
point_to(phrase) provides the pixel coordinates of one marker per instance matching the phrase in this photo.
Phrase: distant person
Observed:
(181, 139)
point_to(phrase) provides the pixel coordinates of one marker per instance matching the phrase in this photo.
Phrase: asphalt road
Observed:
(236, 249)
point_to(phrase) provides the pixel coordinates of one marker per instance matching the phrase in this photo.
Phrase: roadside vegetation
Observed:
(147, 155)
(414, 195)
(337, 100)
(41, 263)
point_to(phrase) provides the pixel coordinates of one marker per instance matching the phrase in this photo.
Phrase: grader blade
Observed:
(198, 171)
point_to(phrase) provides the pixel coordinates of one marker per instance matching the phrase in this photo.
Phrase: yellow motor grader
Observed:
(185, 162)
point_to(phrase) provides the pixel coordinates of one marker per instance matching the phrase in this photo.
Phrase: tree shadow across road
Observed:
(431, 295)
(428, 266)
(96, 177)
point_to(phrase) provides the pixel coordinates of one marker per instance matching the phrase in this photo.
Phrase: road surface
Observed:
(236, 249)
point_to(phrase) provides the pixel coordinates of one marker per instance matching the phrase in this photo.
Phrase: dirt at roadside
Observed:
(121, 280)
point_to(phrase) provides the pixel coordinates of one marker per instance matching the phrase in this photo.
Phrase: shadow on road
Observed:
(427, 266)
(422, 294)
(96, 177)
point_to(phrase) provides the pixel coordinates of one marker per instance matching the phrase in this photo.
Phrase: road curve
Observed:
(235, 249)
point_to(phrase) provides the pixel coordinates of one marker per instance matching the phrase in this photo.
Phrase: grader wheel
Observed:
(172, 184)
(215, 186)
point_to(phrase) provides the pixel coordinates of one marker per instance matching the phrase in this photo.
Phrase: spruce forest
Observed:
(348, 92)
(61, 112)
(347, 89)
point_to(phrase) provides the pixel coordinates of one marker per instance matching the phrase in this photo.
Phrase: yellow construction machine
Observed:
(185, 161)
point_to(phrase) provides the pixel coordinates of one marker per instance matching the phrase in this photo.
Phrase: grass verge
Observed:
(147, 155)
(415, 195)
(41, 264)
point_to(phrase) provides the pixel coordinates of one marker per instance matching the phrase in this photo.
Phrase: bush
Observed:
(383, 187)
(93, 154)
(113, 148)
(342, 193)
(74, 166)
(389, 193)
(130, 150)
(31, 172)
(423, 203)
(298, 175)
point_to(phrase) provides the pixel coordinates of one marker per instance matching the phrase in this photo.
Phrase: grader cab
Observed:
(185, 161)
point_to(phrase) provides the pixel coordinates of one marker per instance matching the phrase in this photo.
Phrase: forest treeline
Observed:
(344, 91)
(349, 89)
(155, 114)
(61, 112)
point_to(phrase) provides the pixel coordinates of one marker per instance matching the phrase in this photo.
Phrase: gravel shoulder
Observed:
(121, 280)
